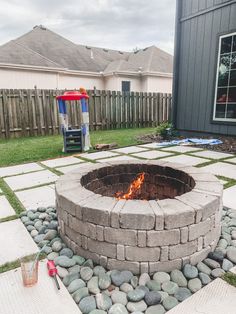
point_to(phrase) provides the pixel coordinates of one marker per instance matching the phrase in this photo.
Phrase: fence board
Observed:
(35, 112)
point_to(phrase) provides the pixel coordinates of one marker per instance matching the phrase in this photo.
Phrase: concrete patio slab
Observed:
(31, 179)
(222, 169)
(229, 199)
(41, 298)
(150, 145)
(67, 169)
(186, 160)
(152, 154)
(38, 197)
(129, 150)
(211, 154)
(15, 242)
(233, 160)
(118, 158)
(58, 162)
(98, 155)
(6, 209)
(223, 181)
(19, 169)
(182, 149)
(216, 298)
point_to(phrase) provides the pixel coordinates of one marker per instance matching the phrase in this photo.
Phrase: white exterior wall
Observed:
(28, 79)
(17, 79)
(75, 82)
(159, 84)
(114, 83)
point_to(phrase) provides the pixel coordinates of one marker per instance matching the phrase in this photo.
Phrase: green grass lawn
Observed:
(22, 150)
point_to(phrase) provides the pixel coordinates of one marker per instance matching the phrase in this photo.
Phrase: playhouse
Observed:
(74, 139)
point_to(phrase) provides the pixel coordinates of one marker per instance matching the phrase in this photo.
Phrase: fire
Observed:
(133, 189)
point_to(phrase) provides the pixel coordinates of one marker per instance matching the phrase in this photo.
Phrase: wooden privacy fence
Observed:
(35, 112)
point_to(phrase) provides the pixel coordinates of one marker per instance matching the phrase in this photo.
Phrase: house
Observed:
(204, 87)
(45, 59)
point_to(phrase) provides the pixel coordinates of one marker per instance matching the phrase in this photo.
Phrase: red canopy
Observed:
(73, 95)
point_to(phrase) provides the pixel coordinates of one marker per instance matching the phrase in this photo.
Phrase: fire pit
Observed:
(169, 216)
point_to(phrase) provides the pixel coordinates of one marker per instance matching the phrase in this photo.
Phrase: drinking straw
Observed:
(36, 257)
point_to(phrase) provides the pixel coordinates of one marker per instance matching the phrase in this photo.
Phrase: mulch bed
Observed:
(228, 145)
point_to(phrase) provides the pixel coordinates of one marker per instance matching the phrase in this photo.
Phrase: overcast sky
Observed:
(117, 24)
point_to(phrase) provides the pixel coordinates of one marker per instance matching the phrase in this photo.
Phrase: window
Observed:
(225, 95)
(125, 86)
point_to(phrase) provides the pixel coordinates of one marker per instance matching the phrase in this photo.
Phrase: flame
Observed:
(133, 189)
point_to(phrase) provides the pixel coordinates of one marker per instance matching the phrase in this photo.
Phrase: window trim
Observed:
(216, 81)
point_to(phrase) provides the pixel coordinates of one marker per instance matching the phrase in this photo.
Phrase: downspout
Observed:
(175, 84)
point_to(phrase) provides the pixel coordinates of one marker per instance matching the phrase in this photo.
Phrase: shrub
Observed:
(165, 130)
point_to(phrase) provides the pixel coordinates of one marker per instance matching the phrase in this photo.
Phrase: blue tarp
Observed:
(194, 141)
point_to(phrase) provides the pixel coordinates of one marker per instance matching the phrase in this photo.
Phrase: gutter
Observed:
(138, 74)
(48, 69)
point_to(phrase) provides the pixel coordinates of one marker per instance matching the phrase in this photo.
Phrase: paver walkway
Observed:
(33, 186)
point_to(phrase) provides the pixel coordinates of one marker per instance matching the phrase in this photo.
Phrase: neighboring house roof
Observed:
(43, 48)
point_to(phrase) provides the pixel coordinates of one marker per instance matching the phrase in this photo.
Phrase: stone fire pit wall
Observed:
(183, 226)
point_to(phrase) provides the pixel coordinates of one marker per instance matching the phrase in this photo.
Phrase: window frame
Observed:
(214, 119)
(122, 86)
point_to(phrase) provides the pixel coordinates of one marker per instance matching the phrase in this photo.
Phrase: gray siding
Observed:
(201, 22)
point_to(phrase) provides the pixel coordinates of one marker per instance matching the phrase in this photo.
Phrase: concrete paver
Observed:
(222, 169)
(152, 154)
(129, 149)
(233, 160)
(229, 199)
(6, 209)
(19, 169)
(98, 155)
(186, 160)
(150, 145)
(15, 242)
(216, 298)
(38, 197)
(211, 154)
(30, 179)
(58, 162)
(182, 149)
(67, 169)
(41, 298)
(118, 158)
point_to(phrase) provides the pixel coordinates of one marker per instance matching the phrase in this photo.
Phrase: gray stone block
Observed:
(137, 214)
(200, 229)
(176, 213)
(159, 215)
(102, 248)
(120, 252)
(164, 253)
(199, 256)
(181, 250)
(144, 267)
(184, 234)
(123, 265)
(162, 238)
(165, 266)
(142, 254)
(142, 238)
(120, 236)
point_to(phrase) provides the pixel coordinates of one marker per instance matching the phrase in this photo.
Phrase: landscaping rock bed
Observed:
(98, 291)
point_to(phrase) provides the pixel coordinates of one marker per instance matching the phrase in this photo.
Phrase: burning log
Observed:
(133, 189)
